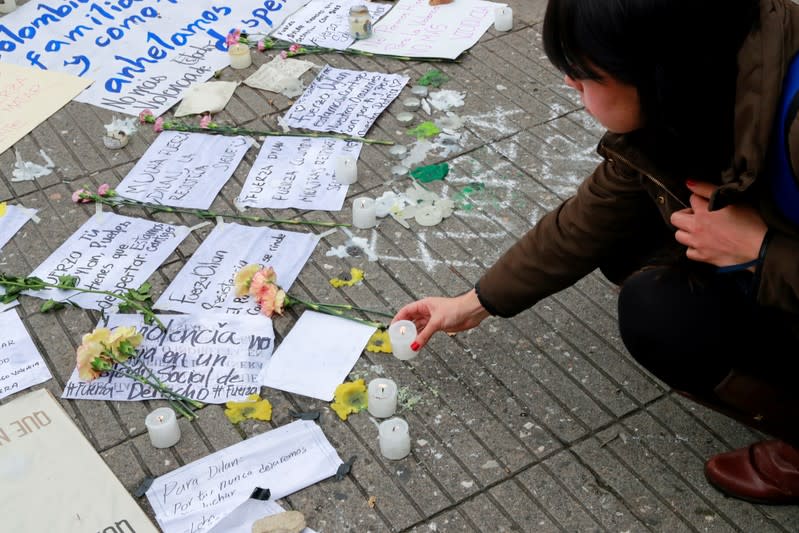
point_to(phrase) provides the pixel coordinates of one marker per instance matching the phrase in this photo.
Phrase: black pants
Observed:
(702, 332)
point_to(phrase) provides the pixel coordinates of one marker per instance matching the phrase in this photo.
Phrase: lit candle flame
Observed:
(161, 419)
(363, 203)
(402, 330)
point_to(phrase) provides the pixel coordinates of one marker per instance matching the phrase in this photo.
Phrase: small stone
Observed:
(285, 522)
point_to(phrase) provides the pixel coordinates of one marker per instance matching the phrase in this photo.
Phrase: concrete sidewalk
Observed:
(538, 423)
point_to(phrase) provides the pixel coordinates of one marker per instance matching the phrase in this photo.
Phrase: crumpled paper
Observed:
(211, 96)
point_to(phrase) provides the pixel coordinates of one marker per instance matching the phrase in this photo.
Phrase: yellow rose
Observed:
(243, 278)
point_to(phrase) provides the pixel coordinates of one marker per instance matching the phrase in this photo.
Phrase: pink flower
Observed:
(261, 46)
(103, 189)
(233, 37)
(158, 126)
(262, 281)
(294, 48)
(205, 121)
(145, 116)
(78, 196)
(283, 54)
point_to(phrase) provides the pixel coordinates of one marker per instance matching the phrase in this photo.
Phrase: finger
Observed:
(698, 202)
(684, 238)
(701, 188)
(412, 311)
(682, 219)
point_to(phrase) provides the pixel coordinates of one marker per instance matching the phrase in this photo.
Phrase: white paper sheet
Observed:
(211, 97)
(325, 23)
(142, 54)
(109, 252)
(273, 76)
(241, 519)
(206, 282)
(182, 169)
(317, 354)
(198, 495)
(414, 28)
(212, 358)
(297, 172)
(21, 364)
(12, 222)
(344, 101)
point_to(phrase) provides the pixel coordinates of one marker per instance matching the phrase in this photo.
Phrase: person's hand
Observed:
(728, 236)
(442, 314)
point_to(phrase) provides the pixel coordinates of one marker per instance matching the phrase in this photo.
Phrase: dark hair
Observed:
(681, 55)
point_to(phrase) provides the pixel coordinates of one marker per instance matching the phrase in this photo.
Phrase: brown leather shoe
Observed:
(766, 472)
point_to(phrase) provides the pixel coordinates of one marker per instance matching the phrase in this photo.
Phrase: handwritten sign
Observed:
(414, 28)
(40, 446)
(206, 282)
(21, 364)
(15, 217)
(196, 496)
(297, 172)
(143, 54)
(325, 24)
(28, 96)
(295, 366)
(344, 101)
(109, 252)
(209, 358)
(184, 169)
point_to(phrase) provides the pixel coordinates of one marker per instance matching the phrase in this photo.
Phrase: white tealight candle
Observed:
(503, 18)
(239, 55)
(405, 117)
(382, 397)
(429, 215)
(419, 90)
(346, 169)
(394, 438)
(411, 103)
(162, 426)
(363, 213)
(402, 333)
(8, 6)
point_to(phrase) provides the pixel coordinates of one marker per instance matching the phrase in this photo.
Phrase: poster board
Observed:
(47, 464)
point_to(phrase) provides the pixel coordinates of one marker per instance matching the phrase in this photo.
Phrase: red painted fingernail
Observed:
(415, 346)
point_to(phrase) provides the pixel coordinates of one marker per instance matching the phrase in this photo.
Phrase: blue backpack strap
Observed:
(783, 177)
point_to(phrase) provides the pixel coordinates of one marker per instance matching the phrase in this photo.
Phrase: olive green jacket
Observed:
(611, 215)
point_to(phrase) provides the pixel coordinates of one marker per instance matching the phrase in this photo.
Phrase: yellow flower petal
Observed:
(3, 209)
(356, 276)
(243, 278)
(350, 397)
(379, 342)
(254, 407)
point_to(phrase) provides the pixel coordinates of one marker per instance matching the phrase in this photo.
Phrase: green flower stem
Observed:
(144, 310)
(308, 50)
(348, 307)
(181, 403)
(163, 386)
(116, 201)
(332, 310)
(232, 130)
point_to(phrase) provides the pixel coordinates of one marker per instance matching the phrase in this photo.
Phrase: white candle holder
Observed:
(402, 333)
(382, 397)
(363, 213)
(429, 215)
(405, 117)
(411, 103)
(503, 18)
(346, 170)
(394, 438)
(419, 90)
(8, 6)
(239, 56)
(162, 427)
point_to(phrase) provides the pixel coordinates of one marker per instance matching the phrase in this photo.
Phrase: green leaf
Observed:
(51, 305)
(433, 78)
(424, 130)
(430, 173)
(68, 281)
(145, 287)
